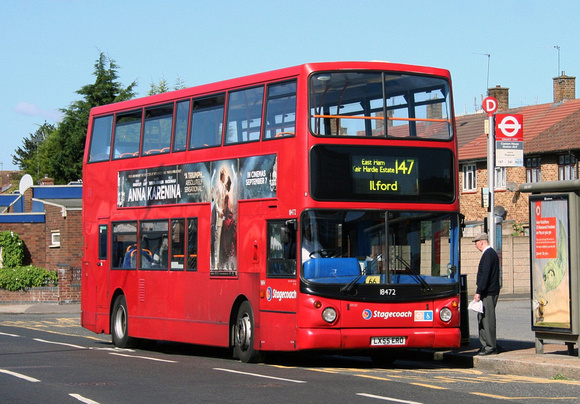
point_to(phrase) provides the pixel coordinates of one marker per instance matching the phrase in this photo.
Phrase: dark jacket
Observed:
(488, 274)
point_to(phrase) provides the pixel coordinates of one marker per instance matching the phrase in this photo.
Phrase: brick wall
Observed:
(33, 236)
(67, 291)
(37, 237)
(71, 239)
(514, 202)
(515, 264)
(40, 251)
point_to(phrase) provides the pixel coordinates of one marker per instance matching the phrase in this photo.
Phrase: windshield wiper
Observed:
(415, 275)
(350, 286)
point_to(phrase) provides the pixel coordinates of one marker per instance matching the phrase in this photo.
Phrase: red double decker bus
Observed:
(313, 207)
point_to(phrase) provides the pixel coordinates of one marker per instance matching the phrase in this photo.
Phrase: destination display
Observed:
(382, 174)
(387, 175)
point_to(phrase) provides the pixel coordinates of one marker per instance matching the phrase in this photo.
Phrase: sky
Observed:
(48, 48)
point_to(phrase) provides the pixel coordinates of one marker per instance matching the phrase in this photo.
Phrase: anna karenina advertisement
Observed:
(222, 183)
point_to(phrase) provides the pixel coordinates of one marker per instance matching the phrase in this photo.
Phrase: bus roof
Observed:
(245, 81)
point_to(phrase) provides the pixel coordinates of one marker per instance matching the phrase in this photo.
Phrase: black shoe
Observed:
(488, 352)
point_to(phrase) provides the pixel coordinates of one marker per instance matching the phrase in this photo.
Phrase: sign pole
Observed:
(491, 181)
(490, 105)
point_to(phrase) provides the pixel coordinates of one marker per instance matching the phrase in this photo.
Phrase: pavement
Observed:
(515, 338)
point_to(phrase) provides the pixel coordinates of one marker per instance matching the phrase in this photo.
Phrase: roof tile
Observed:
(547, 128)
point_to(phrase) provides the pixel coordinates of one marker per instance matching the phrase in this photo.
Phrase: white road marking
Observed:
(395, 400)
(19, 375)
(59, 343)
(83, 399)
(10, 335)
(142, 357)
(263, 376)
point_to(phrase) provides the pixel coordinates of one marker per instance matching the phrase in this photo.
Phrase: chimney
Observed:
(47, 181)
(501, 94)
(564, 88)
(435, 110)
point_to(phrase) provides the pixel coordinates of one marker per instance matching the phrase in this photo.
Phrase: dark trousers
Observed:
(486, 321)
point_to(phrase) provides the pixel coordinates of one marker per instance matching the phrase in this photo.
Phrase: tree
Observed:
(163, 87)
(31, 157)
(66, 144)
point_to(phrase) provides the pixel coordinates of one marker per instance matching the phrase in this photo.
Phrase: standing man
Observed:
(488, 292)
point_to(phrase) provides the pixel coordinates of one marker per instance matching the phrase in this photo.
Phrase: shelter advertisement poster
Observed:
(550, 252)
(222, 183)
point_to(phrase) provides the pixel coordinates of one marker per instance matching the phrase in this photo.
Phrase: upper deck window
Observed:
(181, 124)
(244, 115)
(127, 135)
(207, 121)
(101, 139)
(281, 110)
(375, 104)
(157, 130)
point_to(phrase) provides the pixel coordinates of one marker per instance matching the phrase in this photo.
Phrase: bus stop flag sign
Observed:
(509, 140)
(489, 105)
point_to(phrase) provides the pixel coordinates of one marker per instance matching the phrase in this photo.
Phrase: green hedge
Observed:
(30, 276)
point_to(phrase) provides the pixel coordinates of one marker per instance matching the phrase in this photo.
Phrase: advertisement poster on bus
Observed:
(222, 183)
(549, 233)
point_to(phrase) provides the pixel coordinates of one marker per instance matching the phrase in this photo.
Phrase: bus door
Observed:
(279, 287)
(95, 273)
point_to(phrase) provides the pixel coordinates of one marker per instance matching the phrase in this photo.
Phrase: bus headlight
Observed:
(329, 315)
(445, 314)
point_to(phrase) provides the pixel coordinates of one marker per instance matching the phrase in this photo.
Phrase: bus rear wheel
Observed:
(244, 335)
(120, 324)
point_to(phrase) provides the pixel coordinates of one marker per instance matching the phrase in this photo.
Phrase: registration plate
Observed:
(381, 341)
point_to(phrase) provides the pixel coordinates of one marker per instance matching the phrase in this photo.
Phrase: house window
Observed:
(469, 177)
(566, 167)
(500, 178)
(533, 169)
(54, 238)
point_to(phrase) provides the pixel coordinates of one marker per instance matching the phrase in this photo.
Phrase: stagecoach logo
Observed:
(273, 294)
(368, 314)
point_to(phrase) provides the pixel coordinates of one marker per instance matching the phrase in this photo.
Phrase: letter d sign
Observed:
(489, 105)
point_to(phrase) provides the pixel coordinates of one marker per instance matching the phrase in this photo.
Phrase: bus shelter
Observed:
(554, 261)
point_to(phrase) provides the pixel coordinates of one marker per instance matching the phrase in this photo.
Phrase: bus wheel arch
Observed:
(120, 323)
(243, 328)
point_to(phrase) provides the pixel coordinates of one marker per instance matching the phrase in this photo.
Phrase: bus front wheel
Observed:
(120, 324)
(244, 335)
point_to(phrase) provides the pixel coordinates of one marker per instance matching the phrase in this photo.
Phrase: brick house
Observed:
(48, 219)
(551, 147)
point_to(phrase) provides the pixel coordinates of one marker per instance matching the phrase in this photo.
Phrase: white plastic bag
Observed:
(476, 306)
